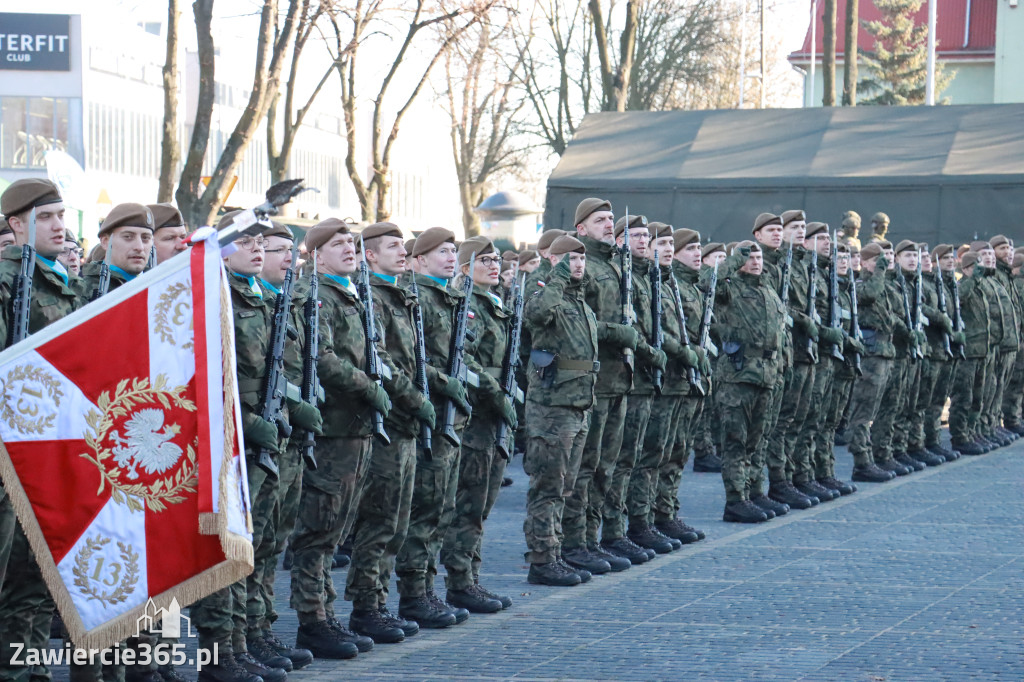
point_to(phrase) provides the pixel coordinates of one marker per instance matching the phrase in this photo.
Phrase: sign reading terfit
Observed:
(35, 42)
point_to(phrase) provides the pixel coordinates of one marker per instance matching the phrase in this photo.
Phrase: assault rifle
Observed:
(958, 318)
(787, 273)
(692, 375)
(103, 282)
(426, 433)
(941, 290)
(855, 323)
(908, 318)
(510, 365)
(812, 293)
(457, 353)
(626, 289)
(657, 333)
(375, 368)
(704, 336)
(918, 301)
(22, 300)
(834, 315)
(311, 351)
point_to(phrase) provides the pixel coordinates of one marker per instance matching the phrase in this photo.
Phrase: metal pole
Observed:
(814, 52)
(743, 50)
(930, 85)
(762, 56)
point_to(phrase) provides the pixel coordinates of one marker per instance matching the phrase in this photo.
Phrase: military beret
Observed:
(634, 221)
(968, 259)
(905, 245)
(765, 219)
(96, 254)
(851, 219)
(684, 237)
(880, 219)
(923, 246)
(432, 238)
(1019, 249)
(507, 265)
(815, 228)
(659, 230)
(5, 227)
(380, 230)
(941, 250)
(1018, 260)
(165, 215)
(278, 230)
(410, 244)
(509, 254)
(747, 244)
(730, 247)
(998, 240)
(871, 250)
(527, 256)
(548, 237)
(69, 236)
(566, 244)
(227, 219)
(790, 216)
(478, 245)
(885, 243)
(22, 195)
(710, 248)
(962, 249)
(590, 206)
(980, 245)
(127, 215)
(842, 248)
(321, 233)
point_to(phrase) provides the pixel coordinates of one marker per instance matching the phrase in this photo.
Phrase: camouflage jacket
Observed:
(930, 308)
(538, 275)
(52, 299)
(562, 325)
(752, 323)
(675, 379)
(87, 282)
(253, 318)
(845, 369)
(901, 339)
(1012, 306)
(798, 290)
(1018, 284)
(693, 295)
(490, 327)
(974, 309)
(876, 313)
(1002, 321)
(643, 306)
(774, 260)
(293, 347)
(603, 297)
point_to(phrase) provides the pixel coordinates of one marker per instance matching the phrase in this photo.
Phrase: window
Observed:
(31, 126)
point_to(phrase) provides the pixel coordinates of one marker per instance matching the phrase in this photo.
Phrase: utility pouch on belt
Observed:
(870, 339)
(547, 366)
(734, 351)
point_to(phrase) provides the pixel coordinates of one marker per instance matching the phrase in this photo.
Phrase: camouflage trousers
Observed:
(288, 495)
(884, 426)
(705, 436)
(965, 399)
(435, 483)
(219, 618)
(989, 392)
(796, 402)
(330, 496)
(638, 413)
(26, 607)
(865, 400)
(655, 445)
(765, 457)
(670, 473)
(1003, 371)
(553, 453)
(940, 393)
(907, 413)
(931, 370)
(743, 412)
(381, 521)
(264, 495)
(581, 518)
(1013, 397)
(8, 526)
(480, 474)
(805, 452)
(833, 407)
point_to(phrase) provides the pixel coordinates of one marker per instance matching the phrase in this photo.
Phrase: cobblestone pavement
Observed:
(921, 578)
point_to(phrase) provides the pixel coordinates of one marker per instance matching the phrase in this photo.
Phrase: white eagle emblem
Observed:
(147, 444)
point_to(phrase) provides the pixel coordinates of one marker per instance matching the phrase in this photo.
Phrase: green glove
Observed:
(689, 357)
(508, 413)
(831, 335)
(379, 400)
(881, 263)
(920, 339)
(425, 413)
(658, 359)
(704, 362)
(261, 433)
(854, 346)
(958, 338)
(305, 416)
(562, 268)
(945, 323)
(454, 389)
(623, 335)
(807, 326)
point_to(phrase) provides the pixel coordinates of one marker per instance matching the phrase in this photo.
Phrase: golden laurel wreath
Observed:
(21, 415)
(129, 575)
(163, 491)
(162, 313)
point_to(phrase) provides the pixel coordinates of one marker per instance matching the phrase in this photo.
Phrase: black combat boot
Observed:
(1016, 427)
(581, 557)
(618, 563)
(968, 448)
(641, 534)
(814, 491)
(407, 625)
(627, 549)
(506, 601)
(929, 459)
(324, 641)
(833, 483)
(552, 573)
(743, 511)
(784, 492)
(374, 625)
(426, 614)
(870, 473)
(299, 657)
(676, 544)
(767, 504)
(472, 601)
(707, 463)
(226, 669)
(893, 466)
(583, 573)
(262, 652)
(461, 614)
(246, 660)
(675, 528)
(945, 453)
(363, 643)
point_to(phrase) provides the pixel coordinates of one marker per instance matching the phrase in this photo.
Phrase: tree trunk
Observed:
(603, 56)
(170, 153)
(828, 62)
(627, 49)
(187, 194)
(850, 54)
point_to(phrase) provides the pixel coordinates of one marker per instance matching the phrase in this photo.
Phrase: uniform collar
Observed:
(390, 279)
(127, 277)
(440, 280)
(270, 286)
(345, 282)
(254, 286)
(56, 266)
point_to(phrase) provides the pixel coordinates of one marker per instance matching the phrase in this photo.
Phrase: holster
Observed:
(869, 337)
(546, 364)
(734, 351)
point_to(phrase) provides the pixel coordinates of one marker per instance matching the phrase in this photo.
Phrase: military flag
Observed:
(120, 448)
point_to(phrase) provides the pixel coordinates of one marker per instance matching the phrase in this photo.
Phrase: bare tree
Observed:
(355, 25)
(291, 120)
(271, 51)
(828, 62)
(850, 55)
(615, 77)
(170, 153)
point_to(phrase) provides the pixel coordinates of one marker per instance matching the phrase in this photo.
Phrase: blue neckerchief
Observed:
(343, 281)
(390, 279)
(121, 272)
(254, 287)
(496, 299)
(270, 286)
(55, 267)
(440, 280)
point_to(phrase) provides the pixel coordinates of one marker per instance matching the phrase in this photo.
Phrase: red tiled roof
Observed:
(952, 19)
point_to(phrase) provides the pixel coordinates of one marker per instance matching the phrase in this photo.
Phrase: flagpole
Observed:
(930, 84)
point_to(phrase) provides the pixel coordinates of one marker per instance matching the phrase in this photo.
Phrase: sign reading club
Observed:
(35, 42)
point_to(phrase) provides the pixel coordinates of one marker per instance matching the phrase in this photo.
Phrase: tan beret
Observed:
(880, 219)
(432, 238)
(634, 222)
(962, 249)
(477, 246)
(747, 243)
(815, 228)
(410, 244)
(765, 219)
(227, 219)
(730, 247)
(5, 227)
(321, 233)
(968, 259)
(527, 256)
(69, 236)
(548, 237)
(998, 240)
(842, 248)
(165, 215)
(905, 245)
(509, 254)
(278, 230)
(1019, 249)
(790, 216)
(710, 248)
(590, 206)
(941, 250)
(885, 243)
(566, 244)
(923, 246)
(659, 230)
(382, 229)
(127, 215)
(871, 250)
(507, 265)
(1018, 260)
(22, 195)
(980, 245)
(851, 219)
(684, 237)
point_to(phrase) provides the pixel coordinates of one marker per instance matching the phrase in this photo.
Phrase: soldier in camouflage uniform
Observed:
(126, 237)
(330, 493)
(685, 268)
(1007, 353)
(25, 603)
(968, 387)
(562, 378)
(1003, 327)
(638, 411)
(581, 520)
(169, 233)
(1013, 401)
(705, 438)
(482, 467)
(751, 319)
(943, 257)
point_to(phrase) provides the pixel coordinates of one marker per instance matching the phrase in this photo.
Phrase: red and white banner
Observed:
(120, 448)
